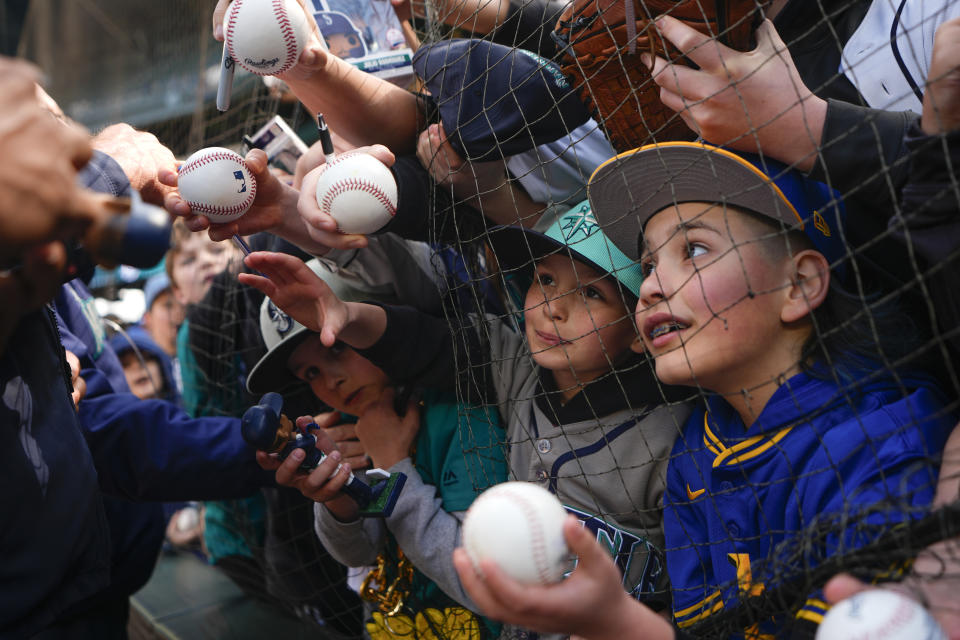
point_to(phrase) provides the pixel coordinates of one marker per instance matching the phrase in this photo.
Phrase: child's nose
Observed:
(651, 291)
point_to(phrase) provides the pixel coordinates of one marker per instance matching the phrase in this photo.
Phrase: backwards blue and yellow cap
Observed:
(627, 190)
(576, 233)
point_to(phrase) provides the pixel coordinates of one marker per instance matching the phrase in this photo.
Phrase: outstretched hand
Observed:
(748, 101)
(590, 602)
(322, 227)
(299, 292)
(275, 200)
(314, 55)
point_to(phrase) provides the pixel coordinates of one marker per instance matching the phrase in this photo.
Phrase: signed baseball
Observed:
(518, 525)
(358, 191)
(876, 614)
(265, 37)
(216, 182)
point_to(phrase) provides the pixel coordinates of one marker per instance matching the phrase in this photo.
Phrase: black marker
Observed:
(326, 142)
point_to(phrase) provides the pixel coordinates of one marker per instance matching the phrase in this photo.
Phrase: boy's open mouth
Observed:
(662, 324)
(665, 328)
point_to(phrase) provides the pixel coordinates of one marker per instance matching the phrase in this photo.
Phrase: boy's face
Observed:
(338, 375)
(711, 300)
(577, 324)
(162, 320)
(144, 378)
(195, 265)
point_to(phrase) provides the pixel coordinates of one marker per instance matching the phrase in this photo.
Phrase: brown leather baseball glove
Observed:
(601, 42)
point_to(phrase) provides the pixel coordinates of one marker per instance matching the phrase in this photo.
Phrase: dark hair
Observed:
(854, 334)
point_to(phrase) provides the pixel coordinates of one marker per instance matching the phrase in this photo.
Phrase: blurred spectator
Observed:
(164, 314)
(147, 367)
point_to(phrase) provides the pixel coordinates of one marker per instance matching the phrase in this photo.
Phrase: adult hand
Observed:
(142, 157)
(590, 602)
(301, 293)
(314, 55)
(469, 180)
(273, 206)
(387, 437)
(322, 227)
(749, 101)
(322, 484)
(39, 196)
(941, 99)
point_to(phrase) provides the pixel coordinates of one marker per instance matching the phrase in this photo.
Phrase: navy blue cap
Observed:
(497, 101)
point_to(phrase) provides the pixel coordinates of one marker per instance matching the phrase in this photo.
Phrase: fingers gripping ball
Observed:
(879, 614)
(216, 183)
(265, 37)
(519, 526)
(359, 192)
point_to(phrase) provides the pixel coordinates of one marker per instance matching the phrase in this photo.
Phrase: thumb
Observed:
(841, 587)
(580, 542)
(768, 40)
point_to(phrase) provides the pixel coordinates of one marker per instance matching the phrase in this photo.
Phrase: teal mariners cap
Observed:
(627, 190)
(576, 233)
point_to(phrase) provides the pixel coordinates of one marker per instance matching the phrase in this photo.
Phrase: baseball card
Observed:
(280, 142)
(368, 34)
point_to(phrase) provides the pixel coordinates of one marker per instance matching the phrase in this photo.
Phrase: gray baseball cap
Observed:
(627, 190)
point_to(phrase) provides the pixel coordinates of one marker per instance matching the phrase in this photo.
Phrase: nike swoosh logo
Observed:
(693, 495)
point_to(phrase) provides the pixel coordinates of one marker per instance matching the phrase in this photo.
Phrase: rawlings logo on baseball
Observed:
(265, 37)
(519, 526)
(359, 192)
(217, 183)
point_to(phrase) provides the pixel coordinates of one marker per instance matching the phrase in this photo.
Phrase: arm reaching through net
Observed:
(305, 297)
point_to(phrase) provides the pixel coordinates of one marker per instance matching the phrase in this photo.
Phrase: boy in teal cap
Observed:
(584, 413)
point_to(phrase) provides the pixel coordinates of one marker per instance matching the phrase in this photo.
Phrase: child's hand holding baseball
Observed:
(590, 602)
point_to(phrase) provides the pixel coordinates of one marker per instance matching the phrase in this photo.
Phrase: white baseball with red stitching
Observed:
(217, 183)
(518, 525)
(265, 37)
(879, 614)
(358, 191)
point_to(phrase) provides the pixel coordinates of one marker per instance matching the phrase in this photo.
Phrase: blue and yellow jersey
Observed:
(816, 450)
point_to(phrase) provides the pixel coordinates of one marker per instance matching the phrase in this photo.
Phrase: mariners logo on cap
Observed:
(579, 224)
(282, 323)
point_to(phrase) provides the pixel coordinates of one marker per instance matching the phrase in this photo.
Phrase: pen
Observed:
(326, 142)
(225, 85)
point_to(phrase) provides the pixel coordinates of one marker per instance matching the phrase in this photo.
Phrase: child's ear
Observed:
(808, 287)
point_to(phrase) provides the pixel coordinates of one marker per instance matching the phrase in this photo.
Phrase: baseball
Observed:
(518, 525)
(265, 37)
(216, 182)
(188, 519)
(358, 191)
(876, 614)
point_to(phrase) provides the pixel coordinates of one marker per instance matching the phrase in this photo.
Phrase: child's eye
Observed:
(544, 279)
(695, 249)
(310, 373)
(593, 293)
(647, 267)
